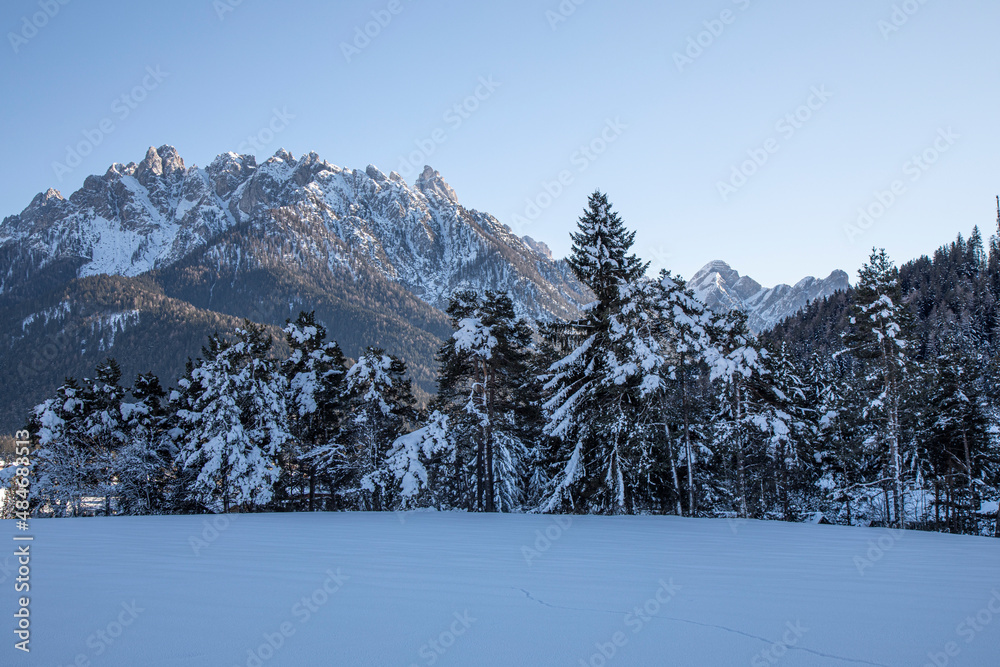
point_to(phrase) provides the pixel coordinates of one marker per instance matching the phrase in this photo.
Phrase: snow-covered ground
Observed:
(460, 589)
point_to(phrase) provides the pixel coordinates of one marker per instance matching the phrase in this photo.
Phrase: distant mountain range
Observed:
(722, 289)
(144, 262)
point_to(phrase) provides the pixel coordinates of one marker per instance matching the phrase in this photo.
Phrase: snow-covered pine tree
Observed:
(877, 337)
(143, 464)
(380, 405)
(64, 462)
(597, 392)
(79, 433)
(315, 371)
(742, 423)
(418, 470)
(105, 428)
(786, 421)
(838, 439)
(234, 429)
(484, 368)
(685, 329)
(958, 448)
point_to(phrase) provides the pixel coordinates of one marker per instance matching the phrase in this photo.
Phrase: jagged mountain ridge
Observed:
(722, 289)
(151, 215)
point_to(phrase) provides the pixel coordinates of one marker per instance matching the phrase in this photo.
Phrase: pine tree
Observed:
(236, 424)
(597, 393)
(105, 428)
(380, 405)
(143, 465)
(839, 438)
(787, 424)
(957, 435)
(417, 467)
(64, 461)
(484, 368)
(736, 366)
(685, 328)
(877, 336)
(315, 372)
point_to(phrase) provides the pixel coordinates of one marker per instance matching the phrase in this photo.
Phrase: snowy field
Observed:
(462, 589)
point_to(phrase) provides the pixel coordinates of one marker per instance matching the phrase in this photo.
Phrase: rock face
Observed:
(722, 288)
(151, 215)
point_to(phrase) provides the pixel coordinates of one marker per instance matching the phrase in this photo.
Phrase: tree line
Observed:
(647, 403)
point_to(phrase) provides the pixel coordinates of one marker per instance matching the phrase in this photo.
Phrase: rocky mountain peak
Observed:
(159, 162)
(538, 247)
(722, 288)
(430, 183)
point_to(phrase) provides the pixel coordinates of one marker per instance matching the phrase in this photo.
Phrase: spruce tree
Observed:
(64, 461)
(380, 407)
(236, 423)
(597, 393)
(484, 370)
(685, 327)
(315, 373)
(878, 336)
(143, 465)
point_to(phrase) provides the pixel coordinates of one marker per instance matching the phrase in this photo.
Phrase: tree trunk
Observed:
(784, 484)
(973, 496)
(897, 464)
(740, 473)
(885, 498)
(312, 489)
(692, 493)
(489, 397)
(678, 509)
(937, 505)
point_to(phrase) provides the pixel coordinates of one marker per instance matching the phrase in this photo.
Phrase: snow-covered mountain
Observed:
(722, 289)
(151, 215)
(144, 262)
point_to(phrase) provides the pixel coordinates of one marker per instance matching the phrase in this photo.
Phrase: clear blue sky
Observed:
(559, 84)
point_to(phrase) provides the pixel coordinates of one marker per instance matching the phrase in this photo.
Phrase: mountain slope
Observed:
(722, 289)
